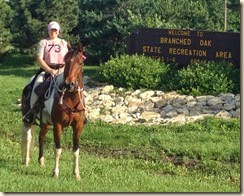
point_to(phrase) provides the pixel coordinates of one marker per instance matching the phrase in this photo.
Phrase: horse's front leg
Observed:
(57, 130)
(42, 134)
(77, 130)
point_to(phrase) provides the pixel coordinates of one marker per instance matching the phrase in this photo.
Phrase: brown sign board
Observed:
(185, 46)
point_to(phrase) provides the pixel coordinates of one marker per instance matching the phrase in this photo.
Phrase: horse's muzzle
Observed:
(70, 86)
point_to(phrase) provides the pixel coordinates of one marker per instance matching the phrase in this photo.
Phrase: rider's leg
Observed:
(30, 116)
(35, 102)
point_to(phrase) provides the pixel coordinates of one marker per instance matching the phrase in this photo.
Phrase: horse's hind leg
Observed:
(42, 134)
(27, 134)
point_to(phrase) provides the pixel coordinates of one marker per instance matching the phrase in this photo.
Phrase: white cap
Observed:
(53, 25)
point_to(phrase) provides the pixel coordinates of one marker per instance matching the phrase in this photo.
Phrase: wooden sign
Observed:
(185, 46)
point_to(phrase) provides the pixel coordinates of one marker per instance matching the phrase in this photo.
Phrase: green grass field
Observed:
(198, 157)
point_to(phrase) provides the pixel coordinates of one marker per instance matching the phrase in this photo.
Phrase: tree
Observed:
(6, 17)
(33, 16)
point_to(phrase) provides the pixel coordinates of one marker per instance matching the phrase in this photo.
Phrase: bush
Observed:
(209, 79)
(136, 72)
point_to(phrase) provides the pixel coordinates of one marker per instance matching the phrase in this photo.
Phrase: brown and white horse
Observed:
(64, 107)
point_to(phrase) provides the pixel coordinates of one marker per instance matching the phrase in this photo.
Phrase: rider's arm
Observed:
(40, 58)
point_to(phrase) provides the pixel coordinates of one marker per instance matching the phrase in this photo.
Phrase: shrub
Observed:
(135, 72)
(209, 79)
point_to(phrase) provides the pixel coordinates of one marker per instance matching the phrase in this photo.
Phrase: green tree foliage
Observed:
(233, 16)
(33, 16)
(104, 24)
(6, 17)
(107, 23)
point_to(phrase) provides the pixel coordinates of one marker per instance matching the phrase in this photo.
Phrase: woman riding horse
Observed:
(66, 107)
(50, 57)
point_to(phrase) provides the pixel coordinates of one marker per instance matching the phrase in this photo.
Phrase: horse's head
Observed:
(73, 68)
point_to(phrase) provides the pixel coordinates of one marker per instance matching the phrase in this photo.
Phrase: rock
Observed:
(204, 98)
(149, 115)
(171, 114)
(107, 89)
(107, 118)
(196, 118)
(237, 97)
(228, 106)
(133, 101)
(214, 101)
(155, 107)
(118, 109)
(238, 113)
(94, 114)
(161, 103)
(132, 109)
(148, 105)
(136, 93)
(146, 95)
(215, 107)
(155, 99)
(159, 93)
(167, 108)
(201, 103)
(224, 114)
(226, 96)
(103, 97)
(190, 99)
(183, 110)
(205, 111)
(191, 103)
(85, 80)
(108, 103)
(119, 100)
(195, 111)
(180, 119)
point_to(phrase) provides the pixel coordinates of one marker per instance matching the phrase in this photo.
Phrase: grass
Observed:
(196, 157)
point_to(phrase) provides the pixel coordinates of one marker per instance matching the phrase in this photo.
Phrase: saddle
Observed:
(41, 89)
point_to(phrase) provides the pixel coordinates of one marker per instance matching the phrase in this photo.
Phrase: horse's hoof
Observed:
(41, 161)
(55, 176)
(77, 177)
(27, 163)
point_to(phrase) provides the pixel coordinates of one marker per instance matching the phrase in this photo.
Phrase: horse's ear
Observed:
(69, 45)
(80, 47)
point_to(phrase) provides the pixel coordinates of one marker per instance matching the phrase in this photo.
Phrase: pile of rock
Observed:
(155, 107)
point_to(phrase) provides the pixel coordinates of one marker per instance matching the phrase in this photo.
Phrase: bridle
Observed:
(76, 88)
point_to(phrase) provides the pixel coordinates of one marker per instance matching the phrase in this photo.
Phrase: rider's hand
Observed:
(53, 72)
(61, 70)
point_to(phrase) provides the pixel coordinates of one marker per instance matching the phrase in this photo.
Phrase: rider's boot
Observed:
(30, 116)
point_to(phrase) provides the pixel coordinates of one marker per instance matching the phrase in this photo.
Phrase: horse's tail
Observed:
(27, 143)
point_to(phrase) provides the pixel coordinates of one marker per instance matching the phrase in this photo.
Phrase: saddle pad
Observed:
(46, 114)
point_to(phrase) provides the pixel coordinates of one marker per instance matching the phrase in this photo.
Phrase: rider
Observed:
(50, 57)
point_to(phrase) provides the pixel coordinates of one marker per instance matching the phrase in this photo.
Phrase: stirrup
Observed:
(29, 117)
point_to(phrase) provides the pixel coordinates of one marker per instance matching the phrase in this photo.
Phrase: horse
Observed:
(65, 107)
